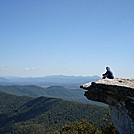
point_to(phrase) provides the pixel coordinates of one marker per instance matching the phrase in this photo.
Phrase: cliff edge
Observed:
(119, 95)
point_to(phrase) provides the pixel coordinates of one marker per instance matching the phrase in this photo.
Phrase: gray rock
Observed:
(119, 95)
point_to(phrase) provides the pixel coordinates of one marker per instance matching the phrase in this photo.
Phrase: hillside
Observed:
(9, 103)
(46, 114)
(52, 91)
(28, 90)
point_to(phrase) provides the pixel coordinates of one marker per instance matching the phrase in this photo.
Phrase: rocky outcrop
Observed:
(119, 95)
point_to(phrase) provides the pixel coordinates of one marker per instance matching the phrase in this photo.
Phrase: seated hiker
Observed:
(108, 74)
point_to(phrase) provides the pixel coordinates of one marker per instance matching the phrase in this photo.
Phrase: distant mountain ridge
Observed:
(49, 80)
(57, 86)
(52, 91)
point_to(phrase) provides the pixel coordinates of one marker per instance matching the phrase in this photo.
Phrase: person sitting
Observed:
(108, 74)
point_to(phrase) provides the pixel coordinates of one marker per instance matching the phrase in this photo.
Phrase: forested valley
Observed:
(41, 115)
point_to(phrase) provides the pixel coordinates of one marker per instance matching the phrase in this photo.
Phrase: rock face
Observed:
(119, 95)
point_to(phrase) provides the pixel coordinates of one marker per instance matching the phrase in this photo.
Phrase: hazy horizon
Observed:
(66, 37)
(6, 76)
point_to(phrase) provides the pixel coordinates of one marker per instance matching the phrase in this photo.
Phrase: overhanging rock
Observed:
(119, 95)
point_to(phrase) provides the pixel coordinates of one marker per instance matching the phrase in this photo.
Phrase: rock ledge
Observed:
(119, 95)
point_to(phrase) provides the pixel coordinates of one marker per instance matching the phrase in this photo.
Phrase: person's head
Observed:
(107, 68)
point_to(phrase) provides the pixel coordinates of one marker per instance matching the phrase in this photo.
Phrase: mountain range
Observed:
(50, 104)
(27, 115)
(52, 91)
(53, 80)
(57, 86)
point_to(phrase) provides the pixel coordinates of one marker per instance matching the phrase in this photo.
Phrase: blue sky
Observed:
(66, 37)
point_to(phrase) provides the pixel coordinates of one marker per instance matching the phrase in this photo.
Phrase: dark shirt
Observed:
(109, 74)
